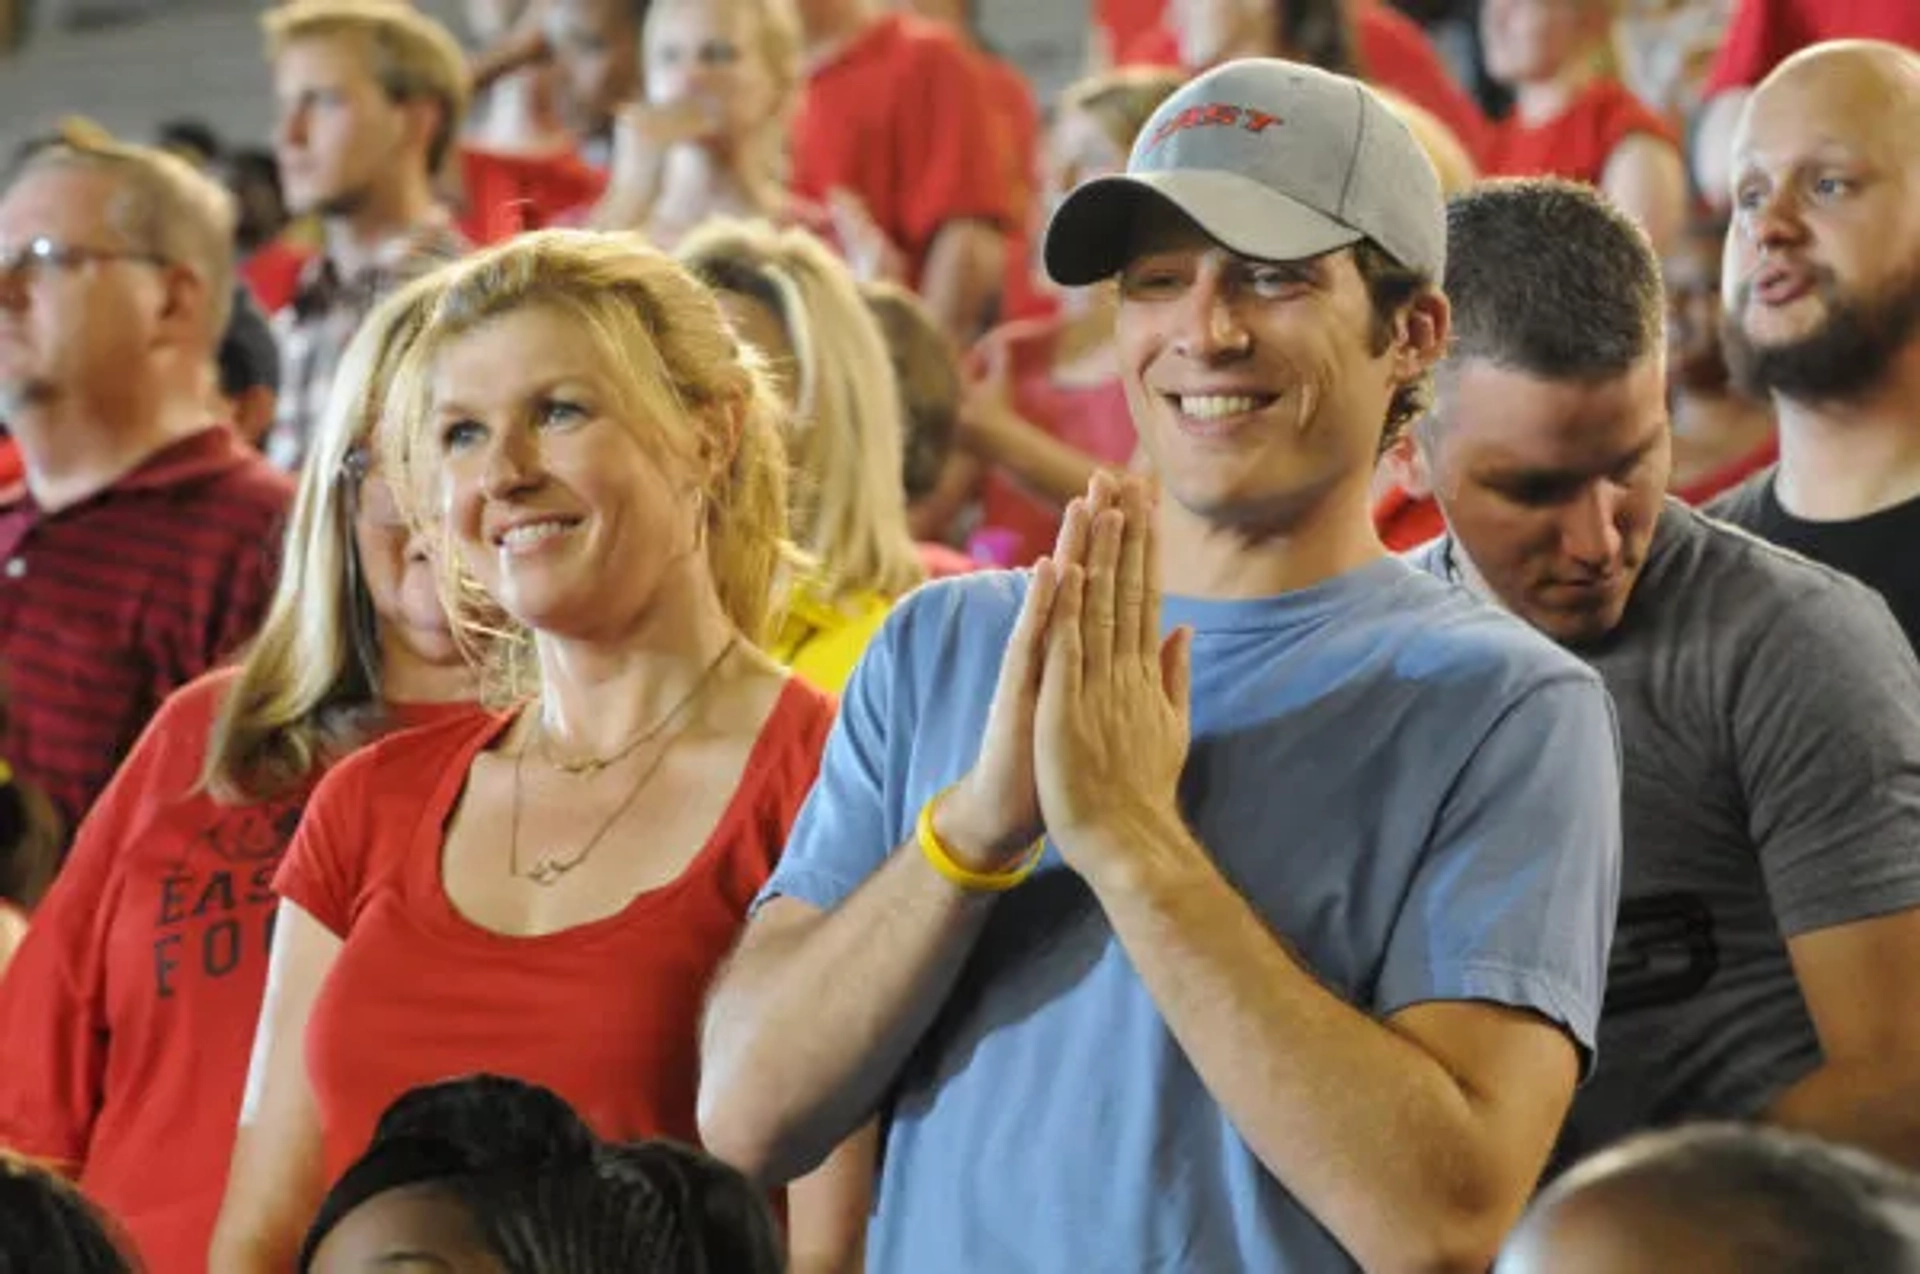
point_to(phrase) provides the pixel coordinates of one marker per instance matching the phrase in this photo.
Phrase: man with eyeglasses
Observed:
(141, 547)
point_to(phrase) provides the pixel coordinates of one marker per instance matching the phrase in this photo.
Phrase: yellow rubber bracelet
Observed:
(980, 882)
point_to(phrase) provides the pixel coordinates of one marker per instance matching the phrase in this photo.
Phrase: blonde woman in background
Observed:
(603, 467)
(709, 139)
(791, 298)
(129, 1011)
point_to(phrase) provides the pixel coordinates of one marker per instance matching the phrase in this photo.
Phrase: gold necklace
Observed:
(547, 870)
(594, 764)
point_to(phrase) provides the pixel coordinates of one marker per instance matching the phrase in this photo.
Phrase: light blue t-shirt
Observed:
(1421, 795)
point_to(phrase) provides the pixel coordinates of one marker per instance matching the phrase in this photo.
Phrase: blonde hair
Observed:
(1450, 158)
(162, 205)
(413, 56)
(1122, 100)
(667, 352)
(305, 691)
(849, 506)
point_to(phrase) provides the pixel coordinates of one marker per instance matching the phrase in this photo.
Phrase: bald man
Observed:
(1722, 1199)
(1822, 294)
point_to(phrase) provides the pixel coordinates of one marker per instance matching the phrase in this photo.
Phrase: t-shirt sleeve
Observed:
(954, 152)
(1826, 724)
(326, 861)
(847, 827)
(54, 1032)
(1515, 900)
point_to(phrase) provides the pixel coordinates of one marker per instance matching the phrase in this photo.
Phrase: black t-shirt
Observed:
(1881, 549)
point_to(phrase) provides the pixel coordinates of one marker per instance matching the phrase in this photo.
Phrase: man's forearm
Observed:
(1365, 1128)
(811, 1023)
(1872, 1104)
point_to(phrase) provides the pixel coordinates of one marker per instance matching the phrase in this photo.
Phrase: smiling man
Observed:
(1769, 710)
(1822, 290)
(1302, 974)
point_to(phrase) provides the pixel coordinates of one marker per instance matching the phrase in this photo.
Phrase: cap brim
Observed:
(1091, 232)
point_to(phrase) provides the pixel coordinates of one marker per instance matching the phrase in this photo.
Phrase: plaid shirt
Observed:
(325, 312)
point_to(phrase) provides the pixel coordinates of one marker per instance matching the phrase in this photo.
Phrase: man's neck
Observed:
(72, 450)
(354, 240)
(1847, 459)
(833, 27)
(1217, 563)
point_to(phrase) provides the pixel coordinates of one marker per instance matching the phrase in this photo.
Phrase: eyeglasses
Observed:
(20, 264)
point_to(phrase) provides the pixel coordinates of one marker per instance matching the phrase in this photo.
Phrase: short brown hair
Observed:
(1391, 287)
(162, 205)
(927, 370)
(414, 57)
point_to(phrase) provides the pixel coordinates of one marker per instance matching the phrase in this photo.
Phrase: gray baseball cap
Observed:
(1274, 160)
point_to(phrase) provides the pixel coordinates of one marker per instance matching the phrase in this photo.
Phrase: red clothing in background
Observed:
(1395, 54)
(1021, 295)
(1406, 521)
(128, 1015)
(1576, 143)
(1763, 33)
(1093, 419)
(606, 1014)
(1125, 23)
(272, 273)
(111, 604)
(903, 118)
(506, 194)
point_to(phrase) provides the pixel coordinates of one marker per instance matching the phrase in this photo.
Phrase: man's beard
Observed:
(1844, 357)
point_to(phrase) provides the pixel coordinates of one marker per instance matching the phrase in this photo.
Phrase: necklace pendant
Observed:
(546, 871)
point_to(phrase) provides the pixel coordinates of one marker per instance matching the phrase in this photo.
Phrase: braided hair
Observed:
(47, 1227)
(545, 1196)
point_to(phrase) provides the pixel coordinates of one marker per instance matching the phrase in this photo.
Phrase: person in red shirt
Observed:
(896, 115)
(520, 166)
(1363, 38)
(141, 548)
(129, 1012)
(1044, 408)
(1761, 35)
(1573, 118)
(544, 893)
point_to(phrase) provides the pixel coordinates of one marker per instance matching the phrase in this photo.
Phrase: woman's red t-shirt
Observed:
(1021, 525)
(605, 1014)
(1577, 143)
(127, 1017)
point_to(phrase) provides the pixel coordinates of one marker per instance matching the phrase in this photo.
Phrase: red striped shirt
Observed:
(109, 605)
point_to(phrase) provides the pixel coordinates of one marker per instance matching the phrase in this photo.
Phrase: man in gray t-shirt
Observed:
(1767, 957)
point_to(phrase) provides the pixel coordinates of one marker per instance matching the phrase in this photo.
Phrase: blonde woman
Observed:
(545, 893)
(710, 139)
(790, 297)
(129, 1010)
